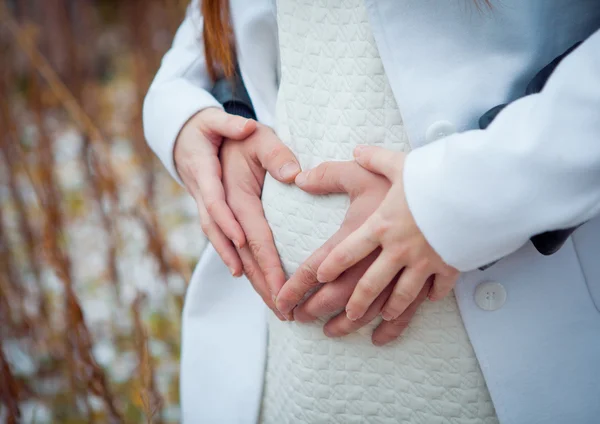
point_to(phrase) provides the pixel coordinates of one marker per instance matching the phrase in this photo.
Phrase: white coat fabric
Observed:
(477, 195)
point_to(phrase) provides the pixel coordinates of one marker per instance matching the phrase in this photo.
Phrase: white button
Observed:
(490, 296)
(439, 130)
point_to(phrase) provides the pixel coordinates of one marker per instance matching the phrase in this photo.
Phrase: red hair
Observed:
(218, 38)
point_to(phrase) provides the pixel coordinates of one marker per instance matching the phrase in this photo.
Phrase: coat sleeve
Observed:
(480, 195)
(179, 90)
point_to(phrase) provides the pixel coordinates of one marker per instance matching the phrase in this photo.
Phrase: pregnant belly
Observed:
(430, 370)
(300, 222)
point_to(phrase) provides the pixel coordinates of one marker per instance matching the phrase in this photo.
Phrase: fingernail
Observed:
(387, 316)
(302, 177)
(352, 316)
(328, 332)
(377, 342)
(278, 315)
(358, 150)
(289, 170)
(322, 278)
(232, 271)
(285, 308)
(243, 124)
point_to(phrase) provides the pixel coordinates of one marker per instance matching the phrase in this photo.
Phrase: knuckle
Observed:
(255, 247)
(212, 206)
(271, 269)
(381, 228)
(401, 297)
(367, 290)
(250, 271)
(308, 273)
(422, 264)
(399, 253)
(274, 153)
(236, 207)
(206, 227)
(326, 304)
(397, 325)
(344, 258)
(362, 321)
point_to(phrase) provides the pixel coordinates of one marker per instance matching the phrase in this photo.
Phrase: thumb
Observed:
(277, 158)
(333, 177)
(215, 121)
(379, 160)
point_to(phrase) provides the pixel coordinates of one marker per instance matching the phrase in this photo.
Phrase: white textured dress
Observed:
(334, 94)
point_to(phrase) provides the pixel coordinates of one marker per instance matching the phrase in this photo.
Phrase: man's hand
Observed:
(392, 229)
(386, 331)
(244, 166)
(367, 191)
(334, 296)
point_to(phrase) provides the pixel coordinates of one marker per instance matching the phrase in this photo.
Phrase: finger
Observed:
(334, 296)
(443, 284)
(388, 331)
(302, 316)
(223, 124)
(328, 300)
(305, 277)
(257, 279)
(211, 189)
(277, 158)
(379, 160)
(251, 216)
(349, 252)
(332, 177)
(406, 290)
(341, 326)
(371, 285)
(220, 242)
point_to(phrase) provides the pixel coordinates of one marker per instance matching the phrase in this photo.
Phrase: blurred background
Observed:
(97, 242)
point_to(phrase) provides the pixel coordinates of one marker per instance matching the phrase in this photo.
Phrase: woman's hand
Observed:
(366, 191)
(392, 229)
(196, 156)
(244, 167)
